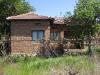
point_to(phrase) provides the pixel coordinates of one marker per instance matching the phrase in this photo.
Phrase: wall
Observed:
(58, 28)
(21, 35)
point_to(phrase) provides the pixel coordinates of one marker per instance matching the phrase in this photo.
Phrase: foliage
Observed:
(87, 15)
(97, 49)
(50, 50)
(10, 8)
(87, 12)
(76, 31)
(67, 15)
(85, 9)
(14, 7)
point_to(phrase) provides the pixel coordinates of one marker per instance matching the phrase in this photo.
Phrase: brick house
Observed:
(30, 28)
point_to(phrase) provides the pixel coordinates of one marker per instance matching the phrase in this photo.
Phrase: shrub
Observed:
(4, 48)
(97, 49)
(48, 49)
(15, 58)
(10, 59)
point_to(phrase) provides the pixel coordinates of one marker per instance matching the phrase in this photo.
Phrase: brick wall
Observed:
(58, 28)
(21, 35)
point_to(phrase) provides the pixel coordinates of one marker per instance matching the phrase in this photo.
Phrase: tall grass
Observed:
(51, 66)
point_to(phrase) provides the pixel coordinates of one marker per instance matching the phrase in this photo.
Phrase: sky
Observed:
(53, 7)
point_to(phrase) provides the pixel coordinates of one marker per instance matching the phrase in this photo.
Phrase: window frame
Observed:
(37, 35)
(55, 34)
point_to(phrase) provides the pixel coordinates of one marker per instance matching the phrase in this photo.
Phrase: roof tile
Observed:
(30, 15)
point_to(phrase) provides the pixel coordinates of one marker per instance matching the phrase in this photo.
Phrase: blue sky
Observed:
(53, 7)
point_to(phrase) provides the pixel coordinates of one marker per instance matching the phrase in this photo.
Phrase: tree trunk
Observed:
(89, 44)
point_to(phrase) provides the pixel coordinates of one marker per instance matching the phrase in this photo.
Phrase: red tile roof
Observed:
(30, 15)
(59, 20)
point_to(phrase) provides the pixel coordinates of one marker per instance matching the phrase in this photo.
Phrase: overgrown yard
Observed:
(65, 65)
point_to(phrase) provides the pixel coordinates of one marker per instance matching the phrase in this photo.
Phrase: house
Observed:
(30, 29)
(27, 30)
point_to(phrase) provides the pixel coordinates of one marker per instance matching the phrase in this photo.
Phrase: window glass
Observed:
(34, 36)
(37, 35)
(40, 35)
(55, 36)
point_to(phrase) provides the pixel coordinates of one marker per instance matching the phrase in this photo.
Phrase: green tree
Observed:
(86, 13)
(73, 25)
(86, 20)
(14, 7)
(10, 8)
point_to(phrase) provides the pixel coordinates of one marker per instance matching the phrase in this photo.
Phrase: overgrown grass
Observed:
(97, 50)
(50, 66)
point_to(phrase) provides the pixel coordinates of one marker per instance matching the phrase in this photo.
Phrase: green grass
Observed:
(50, 66)
(97, 50)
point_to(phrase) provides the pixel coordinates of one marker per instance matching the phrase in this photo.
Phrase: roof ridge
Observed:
(29, 13)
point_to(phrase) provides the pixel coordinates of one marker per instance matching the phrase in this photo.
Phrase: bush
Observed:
(10, 59)
(2, 51)
(4, 48)
(97, 50)
(16, 58)
(48, 49)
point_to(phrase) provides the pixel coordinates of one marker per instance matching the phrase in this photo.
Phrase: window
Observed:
(37, 35)
(55, 36)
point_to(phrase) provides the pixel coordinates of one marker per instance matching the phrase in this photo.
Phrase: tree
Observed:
(86, 12)
(13, 7)
(86, 20)
(73, 25)
(10, 8)
(74, 29)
